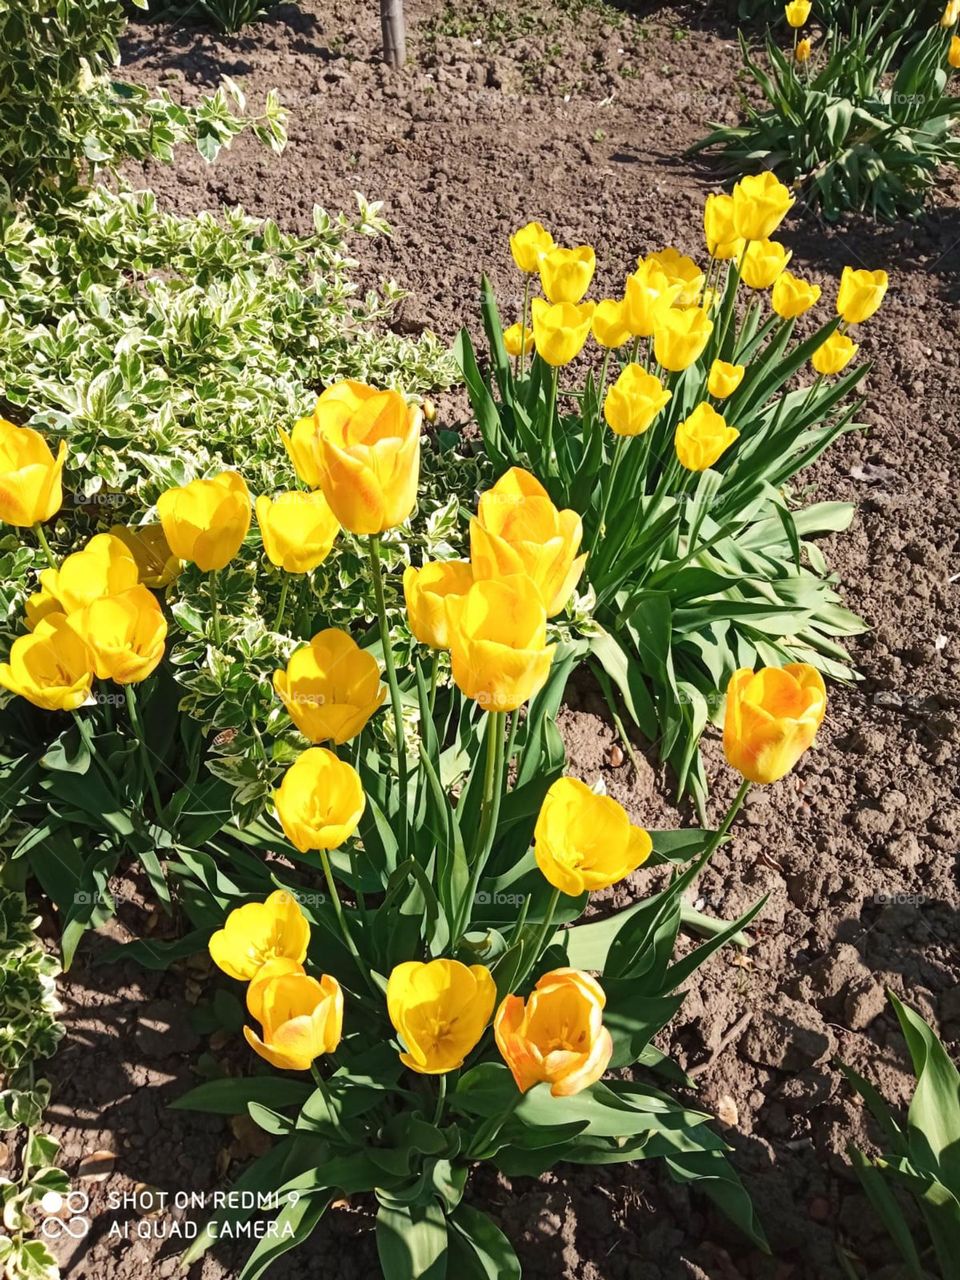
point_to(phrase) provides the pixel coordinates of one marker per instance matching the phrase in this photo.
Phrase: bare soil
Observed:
(578, 114)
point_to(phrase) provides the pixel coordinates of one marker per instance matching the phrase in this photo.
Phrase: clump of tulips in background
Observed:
(857, 116)
(672, 456)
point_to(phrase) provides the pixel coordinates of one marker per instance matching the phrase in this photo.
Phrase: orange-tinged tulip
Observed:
(301, 1017)
(763, 262)
(584, 841)
(560, 331)
(609, 324)
(517, 529)
(31, 488)
(648, 293)
(760, 204)
(320, 801)
(331, 687)
(104, 567)
(834, 354)
(633, 401)
(803, 50)
(258, 933)
(50, 667)
(703, 437)
(723, 242)
(518, 338)
(278, 967)
(681, 271)
(498, 642)
(362, 448)
(426, 591)
(206, 521)
(792, 296)
(565, 274)
(157, 566)
(724, 378)
(772, 717)
(558, 1036)
(953, 53)
(860, 295)
(298, 530)
(125, 634)
(440, 1010)
(680, 337)
(528, 246)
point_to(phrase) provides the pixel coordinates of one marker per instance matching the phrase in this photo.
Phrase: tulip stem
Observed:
(45, 546)
(611, 482)
(549, 465)
(521, 359)
(434, 669)
(732, 305)
(391, 672)
(215, 607)
(725, 826)
(284, 586)
(342, 922)
(489, 812)
(512, 736)
(441, 1098)
(545, 927)
(133, 709)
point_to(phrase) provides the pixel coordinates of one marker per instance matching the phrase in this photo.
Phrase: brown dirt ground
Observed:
(578, 114)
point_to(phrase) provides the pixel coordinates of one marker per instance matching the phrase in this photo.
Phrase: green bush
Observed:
(864, 125)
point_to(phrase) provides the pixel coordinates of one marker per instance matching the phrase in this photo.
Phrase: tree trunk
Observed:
(394, 32)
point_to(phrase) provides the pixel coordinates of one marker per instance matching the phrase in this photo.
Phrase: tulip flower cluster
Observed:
(674, 452)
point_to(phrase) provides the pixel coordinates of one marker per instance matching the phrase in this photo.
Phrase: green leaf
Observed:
(412, 1242)
(233, 1097)
(478, 1248)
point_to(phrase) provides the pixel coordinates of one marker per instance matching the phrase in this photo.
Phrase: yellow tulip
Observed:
(558, 1036)
(680, 337)
(760, 204)
(206, 521)
(648, 293)
(953, 53)
(440, 1010)
(560, 331)
(702, 438)
(724, 378)
(803, 50)
(278, 967)
(565, 274)
(331, 687)
(301, 1018)
(259, 933)
(860, 294)
(320, 801)
(298, 530)
(157, 566)
(609, 324)
(41, 604)
(584, 841)
(792, 296)
(50, 667)
(125, 634)
(951, 14)
(31, 488)
(528, 246)
(517, 529)
(763, 262)
(518, 338)
(362, 448)
(798, 11)
(680, 271)
(772, 717)
(634, 401)
(723, 242)
(834, 354)
(104, 567)
(426, 591)
(498, 642)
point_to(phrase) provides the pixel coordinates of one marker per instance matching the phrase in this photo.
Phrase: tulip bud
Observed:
(834, 354)
(497, 633)
(702, 438)
(609, 324)
(426, 591)
(760, 204)
(792, 296)
(633, 401)
(440, 1010)
(560, 331)
(953, 53)
(320, 801)
(584, 841)
(51, 667)
(301, 1017)
(565, 274)
(803, 50)
(558, 1036)
(124, 634)
(206, 521)
(681, 272)
(518, 338)
(763, 262)
(860, 294)
(722, 240)
(648, 294)
(331, 687)
(951, 14)
(724, 379)
(798, 11)
(528, 246)
(298, 530)
(31, 489)
(771, 718)
(680, 337)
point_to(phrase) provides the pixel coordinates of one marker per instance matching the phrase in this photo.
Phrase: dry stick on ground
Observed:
(733, 1034)
(394, 32)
